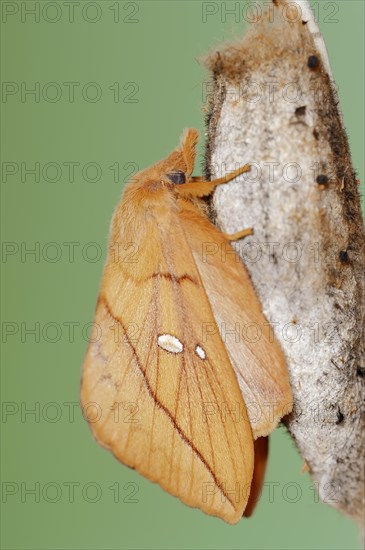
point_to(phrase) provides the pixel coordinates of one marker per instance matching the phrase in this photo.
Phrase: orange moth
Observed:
(178, 385)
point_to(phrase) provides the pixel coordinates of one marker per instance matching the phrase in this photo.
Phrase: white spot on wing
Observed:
(200, 352)
(170, 343)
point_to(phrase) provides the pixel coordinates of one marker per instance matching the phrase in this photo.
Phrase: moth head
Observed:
(177, 168)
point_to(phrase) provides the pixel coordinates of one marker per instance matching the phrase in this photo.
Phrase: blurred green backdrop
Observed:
(114, 83)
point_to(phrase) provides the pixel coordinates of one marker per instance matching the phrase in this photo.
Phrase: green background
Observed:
(158, 53)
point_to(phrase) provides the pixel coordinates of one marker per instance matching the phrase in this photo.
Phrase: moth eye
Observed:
(177, 176)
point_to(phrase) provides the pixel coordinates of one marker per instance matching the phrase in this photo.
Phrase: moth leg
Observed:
(232, 175)
(197, 178)
(239, 235)
(199, 188)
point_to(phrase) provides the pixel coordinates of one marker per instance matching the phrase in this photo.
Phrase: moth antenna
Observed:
(188, 143)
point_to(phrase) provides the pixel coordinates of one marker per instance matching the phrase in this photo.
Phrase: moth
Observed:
(179, 383)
